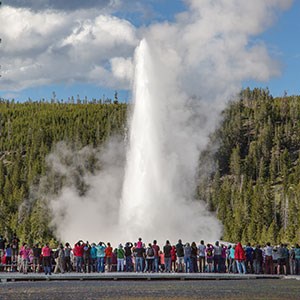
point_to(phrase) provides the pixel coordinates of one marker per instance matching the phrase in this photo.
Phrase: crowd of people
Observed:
(85, 257)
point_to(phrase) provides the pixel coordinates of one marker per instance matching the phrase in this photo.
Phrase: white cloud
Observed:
(122, 68)
(48, 47)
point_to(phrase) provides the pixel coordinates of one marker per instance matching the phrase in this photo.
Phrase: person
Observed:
(240, 258)
(249, 258)
(36, 262)
(78, 253)
(297, 259)
(134, 256)
(120, 258)
(60, 259)
(227, 263)
(209, 257)
(114, 260)
(194, 252)
(269, 269)
(217, 257)
(68, 265)
(94, 257)
(286, 254)
(15, 247)
(100, 257)
(180, 256)
(162, 261)
(173, 258)
(223, 258)
(128, 257)
(281, 260)
(139, 255)
(2, 246)
(231, 265)
(156, 256)
(257, 259)
(108, 256)
(167, 254)
(275, 260)
(3, 260)
(292, 261)
(149, 259)
(46, 254)
(187, 257)
(24, 253)
(86, 257)
(8, 254)
(201, 251)
(139, 244)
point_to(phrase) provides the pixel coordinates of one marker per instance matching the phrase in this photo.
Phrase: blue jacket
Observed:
(100, 250)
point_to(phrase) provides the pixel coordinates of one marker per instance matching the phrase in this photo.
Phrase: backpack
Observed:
(150, 252)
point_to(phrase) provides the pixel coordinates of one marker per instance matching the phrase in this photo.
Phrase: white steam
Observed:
(185, 73)
(87, 207)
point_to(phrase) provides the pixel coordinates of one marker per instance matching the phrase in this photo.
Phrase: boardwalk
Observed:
(12, 277)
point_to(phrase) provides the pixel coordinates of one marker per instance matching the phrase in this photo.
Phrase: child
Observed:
(24, 253)
(8, 254)
(173, 258)
(162, 261)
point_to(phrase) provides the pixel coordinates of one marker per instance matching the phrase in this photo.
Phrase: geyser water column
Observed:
(157, 198)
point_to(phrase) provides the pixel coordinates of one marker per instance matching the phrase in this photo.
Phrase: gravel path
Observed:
(233, 289)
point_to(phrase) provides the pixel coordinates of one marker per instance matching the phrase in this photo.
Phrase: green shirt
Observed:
(121, 253)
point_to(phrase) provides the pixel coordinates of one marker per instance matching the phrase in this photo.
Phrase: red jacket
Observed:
(239, 252)
(78, 250)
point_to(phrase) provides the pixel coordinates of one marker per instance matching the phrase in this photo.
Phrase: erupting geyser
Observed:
(162, 159)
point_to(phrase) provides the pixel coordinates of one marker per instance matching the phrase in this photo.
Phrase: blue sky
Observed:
(281, 40)
(284, 45)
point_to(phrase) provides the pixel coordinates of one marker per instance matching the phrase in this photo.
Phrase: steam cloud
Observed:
(186, 72)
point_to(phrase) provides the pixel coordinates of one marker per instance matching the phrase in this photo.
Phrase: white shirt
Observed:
(201, 249)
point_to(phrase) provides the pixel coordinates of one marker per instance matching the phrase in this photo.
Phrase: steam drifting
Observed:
(185, 73)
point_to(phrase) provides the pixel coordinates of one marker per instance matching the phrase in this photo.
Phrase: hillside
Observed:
(255, 187)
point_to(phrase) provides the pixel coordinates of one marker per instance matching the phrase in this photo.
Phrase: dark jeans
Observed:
(149, 265)
(217, 263)
(68, 265)
(249, 266)
(86, 264)
(47, 265)
(194, 267)
(129, 265)
(297, 261)
(269, 269)
(94, 264)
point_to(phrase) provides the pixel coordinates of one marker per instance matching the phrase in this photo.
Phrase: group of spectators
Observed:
(138, 257)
